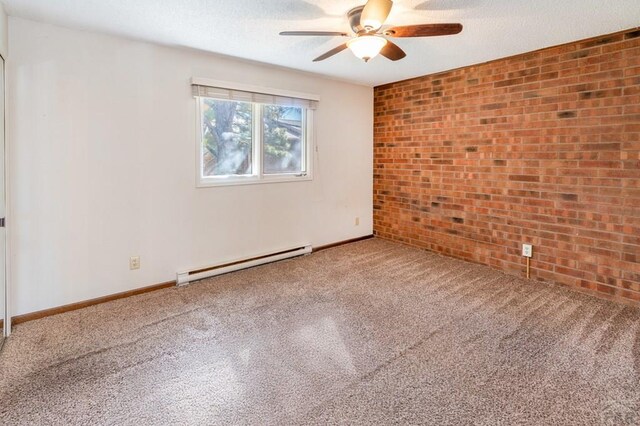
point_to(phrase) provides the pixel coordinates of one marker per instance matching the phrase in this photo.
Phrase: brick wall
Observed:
(542, 148)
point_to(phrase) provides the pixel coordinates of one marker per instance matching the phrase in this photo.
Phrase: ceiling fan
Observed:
(366, 22)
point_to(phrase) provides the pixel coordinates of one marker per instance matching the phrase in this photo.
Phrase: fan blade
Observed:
(331, 53)
(314, 33)
(392, 51)
(425, 30)
(374, 14)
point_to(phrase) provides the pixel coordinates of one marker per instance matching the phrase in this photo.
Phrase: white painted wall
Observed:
(102, 167)
(4, 32)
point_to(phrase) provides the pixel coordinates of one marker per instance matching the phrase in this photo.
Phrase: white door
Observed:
(4, 315)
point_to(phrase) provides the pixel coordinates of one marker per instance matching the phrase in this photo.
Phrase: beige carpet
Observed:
(368, 333)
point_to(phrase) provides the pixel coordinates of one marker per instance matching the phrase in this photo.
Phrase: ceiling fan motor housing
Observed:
(354, 19)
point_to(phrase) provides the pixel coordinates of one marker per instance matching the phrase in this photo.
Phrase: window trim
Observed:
(258, 176)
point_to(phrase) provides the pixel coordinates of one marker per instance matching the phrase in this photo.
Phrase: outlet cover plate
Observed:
(527, 250)
(134, 262)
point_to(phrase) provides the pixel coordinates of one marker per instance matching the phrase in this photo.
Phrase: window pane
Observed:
(226, 138)
(283, 139)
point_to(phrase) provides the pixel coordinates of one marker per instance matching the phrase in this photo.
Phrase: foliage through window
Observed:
(227, 137)
(249, 142)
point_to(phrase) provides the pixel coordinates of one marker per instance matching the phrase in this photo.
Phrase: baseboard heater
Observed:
(211, 271)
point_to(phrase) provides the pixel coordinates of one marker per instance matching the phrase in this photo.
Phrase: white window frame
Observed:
(258, 176)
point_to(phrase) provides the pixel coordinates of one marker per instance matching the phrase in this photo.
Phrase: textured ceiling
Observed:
(249, 28)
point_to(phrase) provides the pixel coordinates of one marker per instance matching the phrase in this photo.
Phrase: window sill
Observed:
(213, 182)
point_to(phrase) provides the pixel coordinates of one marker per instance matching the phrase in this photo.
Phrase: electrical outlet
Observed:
(134, 262)
(527, 250)
(357, 221)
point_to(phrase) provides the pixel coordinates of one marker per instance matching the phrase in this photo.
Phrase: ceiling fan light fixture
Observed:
(366, 47)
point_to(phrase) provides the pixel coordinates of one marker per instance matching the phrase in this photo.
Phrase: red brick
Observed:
(542, 148)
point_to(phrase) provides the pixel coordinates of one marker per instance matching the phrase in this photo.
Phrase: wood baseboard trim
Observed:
(341, 243)
(19, 319)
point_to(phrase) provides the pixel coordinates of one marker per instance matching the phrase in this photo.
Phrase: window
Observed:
(249, 137)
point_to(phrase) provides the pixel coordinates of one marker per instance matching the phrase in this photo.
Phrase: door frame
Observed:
(7, 316)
